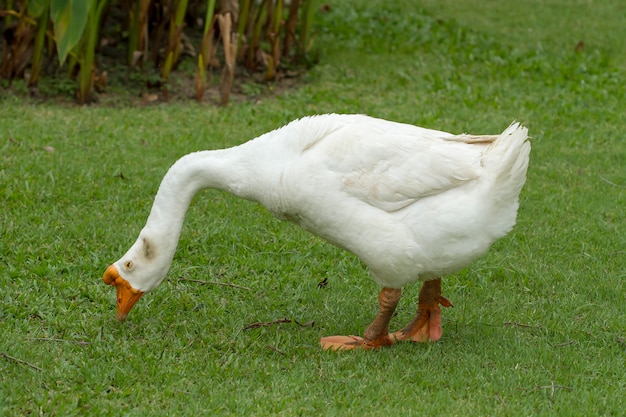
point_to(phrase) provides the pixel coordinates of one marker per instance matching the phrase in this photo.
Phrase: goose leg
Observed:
(427, 322)
(377, 334)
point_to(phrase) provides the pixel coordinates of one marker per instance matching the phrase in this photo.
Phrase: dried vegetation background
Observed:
(154, 48)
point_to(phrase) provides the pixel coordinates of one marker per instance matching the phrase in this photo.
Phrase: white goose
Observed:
(413, 204)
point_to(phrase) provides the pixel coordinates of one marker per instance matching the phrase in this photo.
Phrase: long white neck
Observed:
(249, 171)
(231, 170)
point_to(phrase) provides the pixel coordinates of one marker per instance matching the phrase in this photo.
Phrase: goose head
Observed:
(139, 271)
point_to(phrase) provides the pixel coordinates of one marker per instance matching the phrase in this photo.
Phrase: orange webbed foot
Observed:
(377, 334)
(426, 326)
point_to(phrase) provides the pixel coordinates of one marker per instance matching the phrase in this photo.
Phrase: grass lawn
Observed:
(539, 323)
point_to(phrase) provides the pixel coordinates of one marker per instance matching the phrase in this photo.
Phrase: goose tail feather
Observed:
(507, 160)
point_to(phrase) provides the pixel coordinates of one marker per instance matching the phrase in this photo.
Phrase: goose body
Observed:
(412, 203)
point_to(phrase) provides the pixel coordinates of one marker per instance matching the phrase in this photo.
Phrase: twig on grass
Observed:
(6, 355)
(275, 349)
(52, 339)
(224, 284)
(11, 138)
(279, 321)
(611, 182)
(499, 397)
(514, 323)
(16, 141)
(571, 342)
(551, 387)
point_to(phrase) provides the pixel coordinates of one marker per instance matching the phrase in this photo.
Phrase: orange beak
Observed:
(127, 296)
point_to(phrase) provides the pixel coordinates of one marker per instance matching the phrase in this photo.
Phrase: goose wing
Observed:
(390, 167)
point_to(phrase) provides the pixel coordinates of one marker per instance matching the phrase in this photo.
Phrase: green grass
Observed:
(538, 324)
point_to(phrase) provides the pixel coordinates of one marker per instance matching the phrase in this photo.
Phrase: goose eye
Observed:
(128, 265)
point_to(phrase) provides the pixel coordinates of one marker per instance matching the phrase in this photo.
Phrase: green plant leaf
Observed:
(69, 18)
(36, 8)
